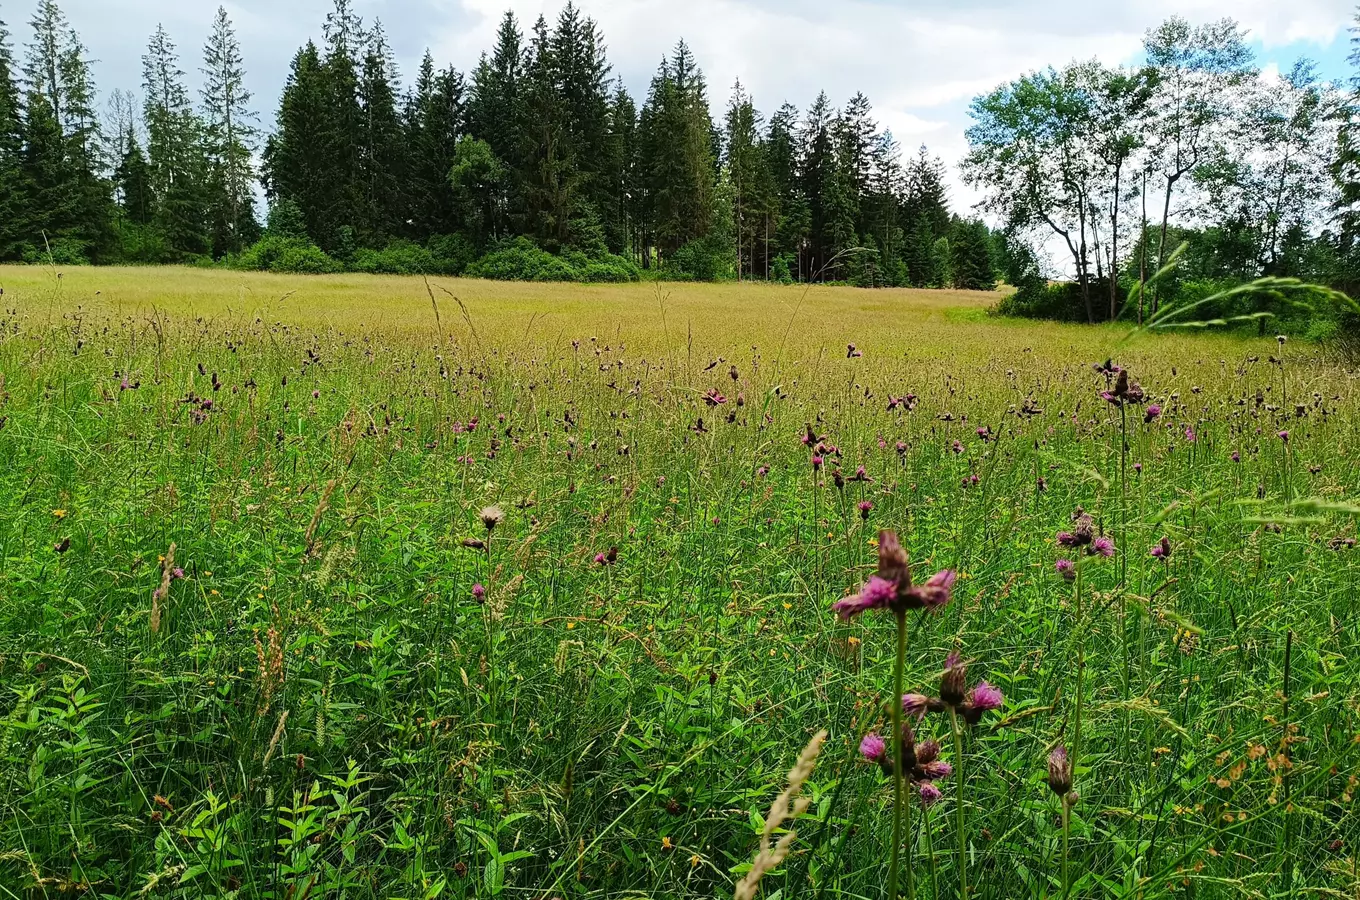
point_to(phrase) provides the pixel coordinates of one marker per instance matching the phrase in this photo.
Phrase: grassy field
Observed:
(257, 641)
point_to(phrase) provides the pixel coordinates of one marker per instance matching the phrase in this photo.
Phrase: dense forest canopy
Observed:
(539, 164)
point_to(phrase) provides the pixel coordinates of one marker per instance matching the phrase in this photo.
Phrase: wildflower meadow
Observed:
(359, 587)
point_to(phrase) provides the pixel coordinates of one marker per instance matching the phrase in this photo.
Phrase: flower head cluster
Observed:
(891, 587)
(1124, 391)
(921, 762)
(1083, 535)
(1060, 775)
(970, 703)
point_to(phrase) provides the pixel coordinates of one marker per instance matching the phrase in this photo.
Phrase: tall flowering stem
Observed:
(891, 589)
(957, 727)
(899, 770)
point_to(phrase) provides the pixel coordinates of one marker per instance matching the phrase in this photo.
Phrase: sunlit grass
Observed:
(327, 709)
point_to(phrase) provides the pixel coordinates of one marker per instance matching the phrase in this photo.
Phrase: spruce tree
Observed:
(175, 151)
(132, 181)
(294, 158)
(925, 216)
(619, 190)
(56, 70)
(434, 121)
(382, 155)
(13, 215)
(230, 135)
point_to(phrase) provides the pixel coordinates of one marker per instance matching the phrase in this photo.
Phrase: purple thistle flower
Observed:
(600, 559)
(937, 769)
(1283, 435)
(1162, 549)
(1152, 412)
(958, 447)
(1190, 434)
(1138, 468)
(1102, 546)
(1236, 457)
(985, 697)
(816, 462)
(877, 593)
(865, 507)
(915, 704)
(177, 572)
(930, 794)
(478, 592)
(872, 747)
(1067, 569)
(937, 592)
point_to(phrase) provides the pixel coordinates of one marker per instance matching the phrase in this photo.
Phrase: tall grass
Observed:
(327, 708)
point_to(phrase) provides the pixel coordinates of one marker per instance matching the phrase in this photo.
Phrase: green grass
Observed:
(325, 710)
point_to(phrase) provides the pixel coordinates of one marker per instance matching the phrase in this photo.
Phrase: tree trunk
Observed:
(1161, 243)
(1114, 243)
(1142, 260)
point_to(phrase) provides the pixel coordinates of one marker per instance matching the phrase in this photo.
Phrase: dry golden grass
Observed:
(650, 317)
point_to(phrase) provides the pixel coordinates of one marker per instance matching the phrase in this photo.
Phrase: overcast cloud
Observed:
(920, 62)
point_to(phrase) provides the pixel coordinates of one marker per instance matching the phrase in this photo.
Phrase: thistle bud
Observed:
(952, 687)
(1059, 771)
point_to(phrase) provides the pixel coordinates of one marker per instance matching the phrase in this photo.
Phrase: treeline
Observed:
(538, 164)
(1257, 174)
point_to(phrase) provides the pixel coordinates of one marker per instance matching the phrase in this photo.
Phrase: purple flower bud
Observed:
(1059, 771)
(952, 681)
(816, 462)
(1102, 546)
(1162, 549)
(1283, 435)
(478, 592)
(1152, 412)
(1236, 457)
(1067, 569)
(915, 704)
(872, 747)
(177, 572)
(930, 794)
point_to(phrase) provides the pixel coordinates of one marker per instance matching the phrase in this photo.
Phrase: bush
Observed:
(62, 251)
(702, 259)
(275, 253)
(453, 253)
(523, 260)
(400, 258)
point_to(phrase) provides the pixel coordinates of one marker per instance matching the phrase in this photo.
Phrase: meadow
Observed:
(362, 587)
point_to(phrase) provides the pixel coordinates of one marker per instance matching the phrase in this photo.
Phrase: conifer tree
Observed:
(13, 215)
(230, 134)
(294, 159)
(175, 151)
(382, 156)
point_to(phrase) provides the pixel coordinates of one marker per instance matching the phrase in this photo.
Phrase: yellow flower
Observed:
(788, 605)
(694, 861)
(873, 542)
(570, 626)
(208, 574)
(214, 592)
(666, 844)
(852, 641)
(59, 513)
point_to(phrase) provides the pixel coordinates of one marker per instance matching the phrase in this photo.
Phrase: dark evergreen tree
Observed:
(434, 122)
(382, 153)
(230, 135)
(971, 255)
(619, 211)
(925, 216)
(294, 168)
(175, 151)
(78, 208)
(13, 214)
(132, 182)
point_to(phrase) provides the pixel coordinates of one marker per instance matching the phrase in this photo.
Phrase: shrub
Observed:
(400, 258)
(61, 251)
(523, 260)
(274, 253)
(453, 253)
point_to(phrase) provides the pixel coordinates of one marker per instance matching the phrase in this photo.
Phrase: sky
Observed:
(920, 62)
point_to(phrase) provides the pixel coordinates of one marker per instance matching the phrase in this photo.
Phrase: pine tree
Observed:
(493, 112)
(675, 144)
(435, 119)
(56, 70)
(970, 249)
(619, 211)
(132, 181)
(342, 205)
(752, 186)
(13, 215)
(230, 135)
(926, 217)
(794, 216)
(550, 184)
(175, 151)
(383, 160)
(816, 170)
(294, 161)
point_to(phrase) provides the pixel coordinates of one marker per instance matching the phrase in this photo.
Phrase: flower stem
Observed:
(930, 856)
(1066, 830)
(900, 806)
(959, 812)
